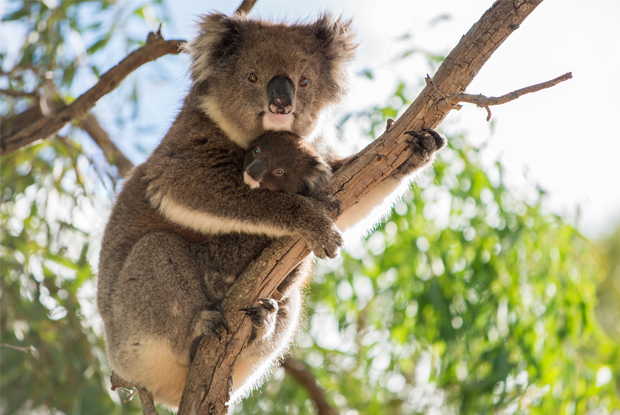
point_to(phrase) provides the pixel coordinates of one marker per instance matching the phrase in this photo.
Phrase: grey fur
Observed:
(185, 225)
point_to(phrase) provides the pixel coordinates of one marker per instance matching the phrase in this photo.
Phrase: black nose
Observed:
(280, 92)
(257, 169)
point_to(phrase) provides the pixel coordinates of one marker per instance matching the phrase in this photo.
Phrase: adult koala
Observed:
(162, 276)
(156, 292)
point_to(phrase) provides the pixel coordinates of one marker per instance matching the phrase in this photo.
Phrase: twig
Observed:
(245, 6)
(154, 48)
(115, 156)
(306, 379)
(146, 398)
(207, 387)
(14, 93)
(485, 102)
(28, 349)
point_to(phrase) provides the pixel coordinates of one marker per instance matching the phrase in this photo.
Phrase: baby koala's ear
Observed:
(319, 175)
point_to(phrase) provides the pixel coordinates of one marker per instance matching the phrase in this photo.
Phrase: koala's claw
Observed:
(263, 316)
(330, 247)
(212, 321)
(333, 206)
(422, 142)
(258, 314)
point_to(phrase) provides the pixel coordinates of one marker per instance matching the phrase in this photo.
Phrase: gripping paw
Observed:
(332, 205)
(327, 243)
(211, 321)
(425, 142)
(263, 317)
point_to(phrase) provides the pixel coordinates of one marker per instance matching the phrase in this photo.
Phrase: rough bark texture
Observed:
(155, 48)
(209, 381)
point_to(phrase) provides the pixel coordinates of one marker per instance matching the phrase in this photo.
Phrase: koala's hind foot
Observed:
(424, 144)
(263, 317)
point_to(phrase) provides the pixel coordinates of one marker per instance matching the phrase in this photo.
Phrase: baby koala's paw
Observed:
(263, 317)
(211, 321)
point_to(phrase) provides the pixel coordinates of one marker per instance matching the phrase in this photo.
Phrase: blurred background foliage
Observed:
(465, 300)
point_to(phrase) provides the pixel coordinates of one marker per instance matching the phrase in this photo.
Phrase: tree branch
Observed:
(210, 378)
(245, 6)
(306, 379)
(15, 93)
(154, 48)
(451, 101)
(115, 156)
(90, 124)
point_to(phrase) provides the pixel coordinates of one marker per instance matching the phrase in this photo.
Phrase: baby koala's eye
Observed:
(278, 172)
(303, 82)
(256, 151)
(253, 78)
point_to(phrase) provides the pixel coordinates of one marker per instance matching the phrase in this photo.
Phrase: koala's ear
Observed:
(218, 37)
(337, 40)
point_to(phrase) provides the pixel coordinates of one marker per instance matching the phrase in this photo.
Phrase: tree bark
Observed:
(210, 378)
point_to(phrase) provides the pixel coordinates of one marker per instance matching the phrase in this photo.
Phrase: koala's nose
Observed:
(280, 92)
(256, 170)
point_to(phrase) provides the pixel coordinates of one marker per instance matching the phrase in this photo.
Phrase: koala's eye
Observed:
(256, 151)
(253, 78)
(303, 82)
(278, 172)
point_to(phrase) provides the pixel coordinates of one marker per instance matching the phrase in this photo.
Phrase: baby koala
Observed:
(281, 161)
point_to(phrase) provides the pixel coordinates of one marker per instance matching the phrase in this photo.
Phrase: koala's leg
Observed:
(160, 291)
(271, 336)
(378, 202)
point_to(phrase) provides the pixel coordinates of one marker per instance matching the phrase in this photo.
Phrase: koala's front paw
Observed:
(324, 241)
(263, 317)
(211, 321)
(424, 145)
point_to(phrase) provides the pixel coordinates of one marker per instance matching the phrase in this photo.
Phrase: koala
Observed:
(186, 224)
(164, 264)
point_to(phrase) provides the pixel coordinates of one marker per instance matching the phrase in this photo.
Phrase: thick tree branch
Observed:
(209, 381)
(306, 379)
(451, 101)
(155, 48)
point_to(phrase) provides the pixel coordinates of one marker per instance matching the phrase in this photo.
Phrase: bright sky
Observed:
(560, 135)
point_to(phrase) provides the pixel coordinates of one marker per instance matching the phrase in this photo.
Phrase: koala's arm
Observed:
(377, 203)
(201, 188)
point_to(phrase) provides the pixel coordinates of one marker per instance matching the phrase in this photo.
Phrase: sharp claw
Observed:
(415, 145)
(415, 134)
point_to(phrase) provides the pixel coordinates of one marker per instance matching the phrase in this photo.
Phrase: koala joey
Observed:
(162, 252)
(283, 161)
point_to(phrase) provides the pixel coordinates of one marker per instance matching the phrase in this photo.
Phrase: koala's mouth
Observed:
(273, 121)
(250, 181)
